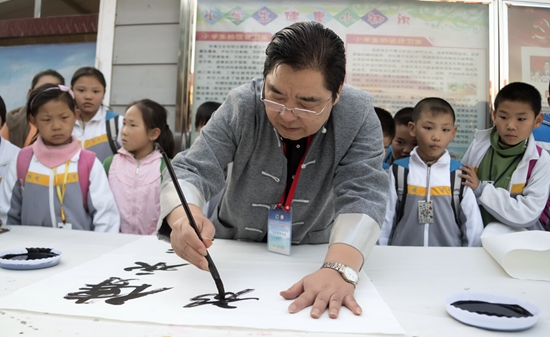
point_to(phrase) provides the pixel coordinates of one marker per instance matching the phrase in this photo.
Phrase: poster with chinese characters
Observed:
(145, 281)
(399, 51)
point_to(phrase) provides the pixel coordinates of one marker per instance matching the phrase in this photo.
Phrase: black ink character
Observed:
(170, 251)
(111, 290)
(222, 303)
(148, 269)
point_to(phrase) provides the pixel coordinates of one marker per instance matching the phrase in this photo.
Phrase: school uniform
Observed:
(542, 133)
(444, 231)
(388, 159)
(521, 204)
(8, 151)
(93, 136)
(36, 202)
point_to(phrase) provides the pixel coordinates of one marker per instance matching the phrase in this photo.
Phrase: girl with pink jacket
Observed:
(135, 172)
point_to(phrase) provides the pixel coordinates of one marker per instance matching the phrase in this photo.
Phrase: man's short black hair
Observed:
(309, 45)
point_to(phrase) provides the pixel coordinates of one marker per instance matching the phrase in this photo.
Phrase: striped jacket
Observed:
(93, 137)
(444, 231)
(37, 202)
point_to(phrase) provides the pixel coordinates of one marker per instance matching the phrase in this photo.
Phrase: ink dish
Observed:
(29, 258)
(492, 311)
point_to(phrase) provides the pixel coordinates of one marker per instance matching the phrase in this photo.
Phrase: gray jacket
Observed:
(342, 187)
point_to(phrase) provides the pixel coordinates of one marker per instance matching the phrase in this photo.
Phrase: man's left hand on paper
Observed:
(322, 289)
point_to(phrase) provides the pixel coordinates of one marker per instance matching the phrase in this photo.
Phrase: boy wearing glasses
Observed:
(304, 147)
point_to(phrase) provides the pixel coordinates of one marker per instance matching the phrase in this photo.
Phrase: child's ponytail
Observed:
(166, 141)
(154, 116)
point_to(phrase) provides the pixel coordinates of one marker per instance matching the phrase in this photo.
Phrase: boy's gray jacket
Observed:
(341, 181)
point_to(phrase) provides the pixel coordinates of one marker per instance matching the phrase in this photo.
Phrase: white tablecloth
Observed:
(412, 281)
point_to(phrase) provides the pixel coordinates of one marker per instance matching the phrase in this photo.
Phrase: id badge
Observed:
(279, 231)
(64, 225)
(425, 212)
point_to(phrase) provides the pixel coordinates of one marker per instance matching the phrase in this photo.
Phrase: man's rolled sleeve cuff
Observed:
(169, 201)
(357, 230)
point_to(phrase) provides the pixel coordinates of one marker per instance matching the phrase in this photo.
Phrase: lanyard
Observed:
(292, 190)
(61, 190)
(503, 172)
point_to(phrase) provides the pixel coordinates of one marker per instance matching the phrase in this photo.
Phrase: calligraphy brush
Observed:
(211, 265)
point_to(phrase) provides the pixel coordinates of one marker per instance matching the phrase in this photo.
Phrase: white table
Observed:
(412, 281)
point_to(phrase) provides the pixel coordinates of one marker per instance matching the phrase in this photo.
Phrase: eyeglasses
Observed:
(298, 112)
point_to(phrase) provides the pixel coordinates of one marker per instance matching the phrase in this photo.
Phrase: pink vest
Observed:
(136, 187)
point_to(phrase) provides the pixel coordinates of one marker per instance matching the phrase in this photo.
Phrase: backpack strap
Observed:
(457, 188)
(85, 164)
(162, 167)
(107, 164)
(401, 187)
(111, 123)
(400, 171)
(532, 163)
(23, 163)
(545, 215)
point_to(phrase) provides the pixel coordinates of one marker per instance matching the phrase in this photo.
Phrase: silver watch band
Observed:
(348, 274)
(334, 265)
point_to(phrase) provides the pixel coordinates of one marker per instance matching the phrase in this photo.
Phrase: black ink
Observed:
(111, 290)
(222, 303)
(148, 269)
(493, 309)
(31, 254)
(170, 251)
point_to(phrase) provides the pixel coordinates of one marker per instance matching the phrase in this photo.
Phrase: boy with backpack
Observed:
(388, 132)
(509, 173)
(429, 206)
(402, 143)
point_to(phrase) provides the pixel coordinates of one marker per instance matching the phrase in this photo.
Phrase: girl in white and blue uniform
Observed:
(92, 128)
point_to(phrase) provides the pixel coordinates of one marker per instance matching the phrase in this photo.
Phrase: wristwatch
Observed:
(347, 272)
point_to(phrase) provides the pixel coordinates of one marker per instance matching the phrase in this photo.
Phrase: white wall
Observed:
(141, 61)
